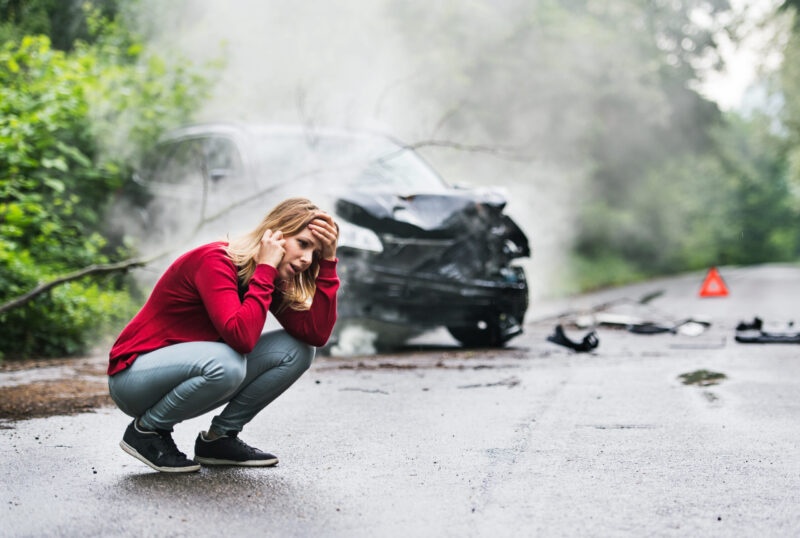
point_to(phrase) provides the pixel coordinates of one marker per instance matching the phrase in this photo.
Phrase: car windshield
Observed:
(362, 163)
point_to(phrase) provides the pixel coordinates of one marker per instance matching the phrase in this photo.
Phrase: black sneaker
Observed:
(230, 450)
(156, 449)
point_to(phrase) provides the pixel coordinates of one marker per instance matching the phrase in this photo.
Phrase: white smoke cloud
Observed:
(391, 66)
(354, 340)
(287, 61)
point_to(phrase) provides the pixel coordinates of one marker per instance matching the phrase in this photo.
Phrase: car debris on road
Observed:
(587, 343)
(755, 332)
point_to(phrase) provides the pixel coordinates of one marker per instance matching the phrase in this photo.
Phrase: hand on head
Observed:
(327, 231)
(271, 250)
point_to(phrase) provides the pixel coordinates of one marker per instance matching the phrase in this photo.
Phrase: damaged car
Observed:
(415, 253)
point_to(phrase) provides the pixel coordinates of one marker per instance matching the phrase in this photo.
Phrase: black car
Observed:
(415, 253)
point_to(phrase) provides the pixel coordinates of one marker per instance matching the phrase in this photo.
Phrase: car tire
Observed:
(489, 335)
(492, 331)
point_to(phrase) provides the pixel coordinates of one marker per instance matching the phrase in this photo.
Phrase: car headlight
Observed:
(357, 237)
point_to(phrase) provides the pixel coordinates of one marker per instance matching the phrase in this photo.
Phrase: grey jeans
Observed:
(183, 381)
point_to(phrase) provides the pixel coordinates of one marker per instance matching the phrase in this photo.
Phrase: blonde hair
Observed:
(290, 217)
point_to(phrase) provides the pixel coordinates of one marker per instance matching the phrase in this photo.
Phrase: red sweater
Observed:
(197, 299)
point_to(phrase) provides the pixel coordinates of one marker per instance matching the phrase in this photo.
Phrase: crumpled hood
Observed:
(472, 222)
(426, 214)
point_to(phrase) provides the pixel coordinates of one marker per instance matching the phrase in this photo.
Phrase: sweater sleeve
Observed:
(239, 323)
(315, 325)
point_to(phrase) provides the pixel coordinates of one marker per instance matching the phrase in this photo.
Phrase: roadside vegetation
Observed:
(64, 115)
(667, 181)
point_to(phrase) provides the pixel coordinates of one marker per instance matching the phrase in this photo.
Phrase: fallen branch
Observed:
(502, 152)
(86, 271)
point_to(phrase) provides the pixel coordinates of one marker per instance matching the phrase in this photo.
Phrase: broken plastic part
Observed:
(762, 337)
(589, 342)
(755, 332)
(754, 325)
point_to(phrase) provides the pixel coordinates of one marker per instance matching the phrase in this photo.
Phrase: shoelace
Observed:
(247, 448)
(169, 443)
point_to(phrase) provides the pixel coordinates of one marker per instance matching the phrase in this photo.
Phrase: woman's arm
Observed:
(315, 325)
(239, 323)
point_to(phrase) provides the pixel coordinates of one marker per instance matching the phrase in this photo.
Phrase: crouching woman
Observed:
(197, 342)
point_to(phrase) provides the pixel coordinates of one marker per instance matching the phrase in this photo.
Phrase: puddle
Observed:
(702, 378)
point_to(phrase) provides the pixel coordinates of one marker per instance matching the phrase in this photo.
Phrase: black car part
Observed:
(587, 343)
(756, 332)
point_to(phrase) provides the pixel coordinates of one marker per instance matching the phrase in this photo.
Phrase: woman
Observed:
(197, 342)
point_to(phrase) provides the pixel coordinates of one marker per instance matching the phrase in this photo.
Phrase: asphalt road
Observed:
(532, 440)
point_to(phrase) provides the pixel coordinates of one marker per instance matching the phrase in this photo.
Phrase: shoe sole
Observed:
(133, 452)
(249, 463)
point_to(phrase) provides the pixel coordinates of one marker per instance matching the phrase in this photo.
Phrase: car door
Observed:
(174, 179)
(195, 184)
(227, 183)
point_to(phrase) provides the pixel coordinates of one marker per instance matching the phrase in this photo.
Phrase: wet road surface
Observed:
(532, 440)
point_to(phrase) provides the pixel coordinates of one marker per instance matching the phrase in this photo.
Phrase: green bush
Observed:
(64, 322)
(730, 205)
(601, 271)
(70, 125)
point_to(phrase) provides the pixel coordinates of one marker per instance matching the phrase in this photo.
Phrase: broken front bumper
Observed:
(426, 301)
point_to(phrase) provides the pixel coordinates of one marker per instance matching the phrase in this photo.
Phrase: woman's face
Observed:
(299, 252)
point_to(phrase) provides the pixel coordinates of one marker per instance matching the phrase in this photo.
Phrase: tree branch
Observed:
(503, 152)
(86, 271)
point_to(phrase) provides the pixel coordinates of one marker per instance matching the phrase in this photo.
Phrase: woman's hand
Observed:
(271, 250)
(325, 229)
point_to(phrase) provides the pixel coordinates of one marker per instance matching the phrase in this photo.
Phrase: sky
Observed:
(746, 63)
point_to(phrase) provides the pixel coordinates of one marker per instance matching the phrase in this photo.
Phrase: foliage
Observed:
(63, 21)
(763, 214)
(788, 87)
(70, 123)
(602, 94)
(64, 321)
(729, 205)
(596, 272)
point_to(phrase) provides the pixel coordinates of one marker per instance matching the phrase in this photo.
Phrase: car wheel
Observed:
(494, 331)
(483, 334)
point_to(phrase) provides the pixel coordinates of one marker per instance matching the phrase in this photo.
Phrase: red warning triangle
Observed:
(713, 285)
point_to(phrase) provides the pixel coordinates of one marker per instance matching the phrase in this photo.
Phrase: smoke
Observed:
(407, 69)
(321, 62)
(354, 340)
(519, 79)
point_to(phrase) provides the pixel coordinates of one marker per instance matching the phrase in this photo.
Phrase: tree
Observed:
(63, 117)
(63, 21)
(599, 94)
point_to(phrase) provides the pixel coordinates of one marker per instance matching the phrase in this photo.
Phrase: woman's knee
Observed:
(225, 368)
(297, 355)
(303, 356)
(119, 398)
